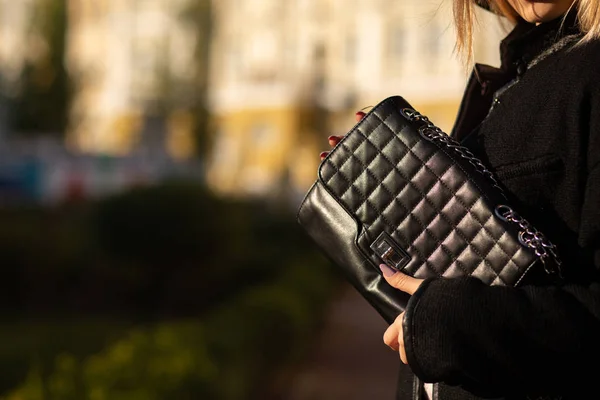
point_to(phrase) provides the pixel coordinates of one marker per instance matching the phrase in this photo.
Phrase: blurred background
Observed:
(152, 156)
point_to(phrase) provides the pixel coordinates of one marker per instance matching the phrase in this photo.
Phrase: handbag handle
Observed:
(528, 236)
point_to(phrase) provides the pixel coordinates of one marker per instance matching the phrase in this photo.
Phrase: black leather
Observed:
(385, 177)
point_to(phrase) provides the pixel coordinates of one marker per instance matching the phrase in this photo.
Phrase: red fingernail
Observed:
(360, 115)
(332, 138)
(323, 154)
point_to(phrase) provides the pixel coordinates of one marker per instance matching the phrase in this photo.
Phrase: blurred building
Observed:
(281, 76)
(286, 74)
(16, 44)
(136, 73)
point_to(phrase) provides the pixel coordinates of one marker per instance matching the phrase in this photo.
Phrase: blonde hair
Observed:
(588, 17)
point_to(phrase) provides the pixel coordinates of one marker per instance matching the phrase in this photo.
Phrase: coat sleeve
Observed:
(529, 339)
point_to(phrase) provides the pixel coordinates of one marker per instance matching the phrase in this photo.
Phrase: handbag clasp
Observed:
(388, 250)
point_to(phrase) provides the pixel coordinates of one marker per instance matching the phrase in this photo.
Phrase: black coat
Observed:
(542, 139)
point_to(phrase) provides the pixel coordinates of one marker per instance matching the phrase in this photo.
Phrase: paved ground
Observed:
(350, 361)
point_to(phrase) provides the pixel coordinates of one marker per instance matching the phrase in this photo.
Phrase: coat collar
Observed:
(527, 41)
(524, 46)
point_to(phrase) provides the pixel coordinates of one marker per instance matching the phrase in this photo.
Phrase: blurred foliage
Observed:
(163, 292)
(43, 103)
(200, 15)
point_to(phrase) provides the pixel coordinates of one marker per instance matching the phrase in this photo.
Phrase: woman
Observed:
(536, 122)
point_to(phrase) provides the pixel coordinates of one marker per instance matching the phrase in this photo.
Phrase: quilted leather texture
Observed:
(429, 201)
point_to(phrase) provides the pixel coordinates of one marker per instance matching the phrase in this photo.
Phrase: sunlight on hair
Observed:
(589, 18)
(465, 20)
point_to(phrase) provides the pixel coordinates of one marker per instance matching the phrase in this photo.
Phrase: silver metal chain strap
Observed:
(528, 236)
(435, 134)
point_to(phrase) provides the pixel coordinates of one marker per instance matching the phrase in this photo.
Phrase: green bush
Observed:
(228, 354)
(158, 293)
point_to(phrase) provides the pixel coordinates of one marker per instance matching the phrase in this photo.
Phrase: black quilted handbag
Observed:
(396, 189)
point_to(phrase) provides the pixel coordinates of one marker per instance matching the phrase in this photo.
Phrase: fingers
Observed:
(403, 354)
(394, 338)
(390, 337)
(334, 140)
(400, 281)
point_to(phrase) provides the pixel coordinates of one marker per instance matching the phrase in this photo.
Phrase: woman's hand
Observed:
(394, 335)
(334, 140)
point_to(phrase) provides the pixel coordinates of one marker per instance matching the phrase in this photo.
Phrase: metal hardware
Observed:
(388, 250)
(409, 113)
(528, 235)
(502, 211)
(434, 134)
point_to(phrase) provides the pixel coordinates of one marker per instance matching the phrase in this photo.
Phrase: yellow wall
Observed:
(254, 148)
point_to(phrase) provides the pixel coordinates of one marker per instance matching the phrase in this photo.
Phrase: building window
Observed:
(226, 154)
(263, 136)
(350, 50)
(257, 180)
(434, 41)
(234, 58)
(397, 43)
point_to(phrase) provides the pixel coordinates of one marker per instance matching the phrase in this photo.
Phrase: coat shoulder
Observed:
(582, 61)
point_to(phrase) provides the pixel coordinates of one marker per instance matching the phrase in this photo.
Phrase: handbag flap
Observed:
(436, 209)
